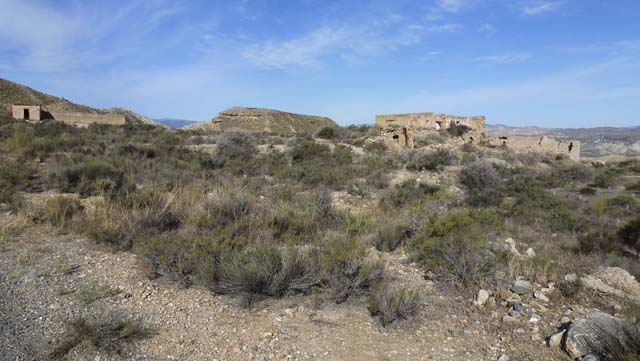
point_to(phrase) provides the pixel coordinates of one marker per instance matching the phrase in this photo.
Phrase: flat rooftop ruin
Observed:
(36, 113)
(399, 129)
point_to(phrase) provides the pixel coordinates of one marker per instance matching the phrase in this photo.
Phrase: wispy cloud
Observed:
(539, 7)
(487, 28)
(452, 6)
(505, 58)
(300, 52)
(347, 42)
(603, 81)
(79, 36)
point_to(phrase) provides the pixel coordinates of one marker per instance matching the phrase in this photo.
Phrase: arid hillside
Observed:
(137, 243)
(264, 120)
(14, 93)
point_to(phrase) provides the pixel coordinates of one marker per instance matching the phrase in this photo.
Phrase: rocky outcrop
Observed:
(264, 120)
(613, 281)
(602, 336)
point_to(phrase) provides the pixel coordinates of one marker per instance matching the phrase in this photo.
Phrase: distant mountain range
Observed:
(175, 123)
(596, 142)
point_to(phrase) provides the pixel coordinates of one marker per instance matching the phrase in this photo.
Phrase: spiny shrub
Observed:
(60, 211)
(187, 259)
(540, 268)
(267, 270)
(393, 303)
(432, 161)
(14, 177)
(458, 130)
(630, 234)
(482, 182)
(536, 206)
(327, 133)
(392, 235)
(606, 178)
(455, 245)
(346, 269)
(408, 192)
(109, 334)
(94, 177)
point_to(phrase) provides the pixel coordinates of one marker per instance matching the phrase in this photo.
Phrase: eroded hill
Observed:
(265, 120)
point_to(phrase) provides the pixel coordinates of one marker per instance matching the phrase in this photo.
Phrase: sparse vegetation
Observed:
(393, 303)
(110, 333)
(264, 216)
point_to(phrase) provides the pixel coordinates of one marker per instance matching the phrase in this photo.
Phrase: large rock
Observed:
(602, 334)
(613, 281)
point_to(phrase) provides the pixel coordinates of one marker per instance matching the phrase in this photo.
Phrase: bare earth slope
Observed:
(14, 93)
(264, 120)
(596, 142)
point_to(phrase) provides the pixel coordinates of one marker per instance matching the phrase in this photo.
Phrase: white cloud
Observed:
(299, 52)
(601, 81)
(452, 6)
(487, 28)
(539, 7)
(79, 36)
(505, 58)
(346, 42)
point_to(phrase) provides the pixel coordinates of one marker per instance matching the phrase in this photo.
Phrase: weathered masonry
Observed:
(35, 113)
(27, 112)
(543, 145)
(399, 129)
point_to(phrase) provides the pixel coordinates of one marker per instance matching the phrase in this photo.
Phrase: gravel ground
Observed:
(45, 282)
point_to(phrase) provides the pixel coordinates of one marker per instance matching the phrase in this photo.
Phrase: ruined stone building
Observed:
(399, 129)
(36, 113)
(544, 145)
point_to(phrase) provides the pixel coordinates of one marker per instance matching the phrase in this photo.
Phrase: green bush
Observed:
(432, 161)
(458, 130)
(93, 177)
(630, 234)
(606, 178)
(392, 303)
(483, 183)
(392, 235)
(327, 133)
(267, 271)
(409, 192)
(455, 246)
(346, 270)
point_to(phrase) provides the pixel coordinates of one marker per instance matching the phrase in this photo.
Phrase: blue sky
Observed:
(562, 63)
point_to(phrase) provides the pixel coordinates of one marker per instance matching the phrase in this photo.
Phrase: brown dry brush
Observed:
(110, 333)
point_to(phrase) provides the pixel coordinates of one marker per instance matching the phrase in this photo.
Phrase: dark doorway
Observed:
(25, 114)
(396, 137)
(570, 147)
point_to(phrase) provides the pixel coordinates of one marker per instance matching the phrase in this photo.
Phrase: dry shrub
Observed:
(482, 182)
(110, 333)
(392, 303)
(61, 211)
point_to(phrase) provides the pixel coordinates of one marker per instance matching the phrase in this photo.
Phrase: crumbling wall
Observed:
(84, 119)
(544, 145)
(399, 129)
(429, 121)
(32, 112)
